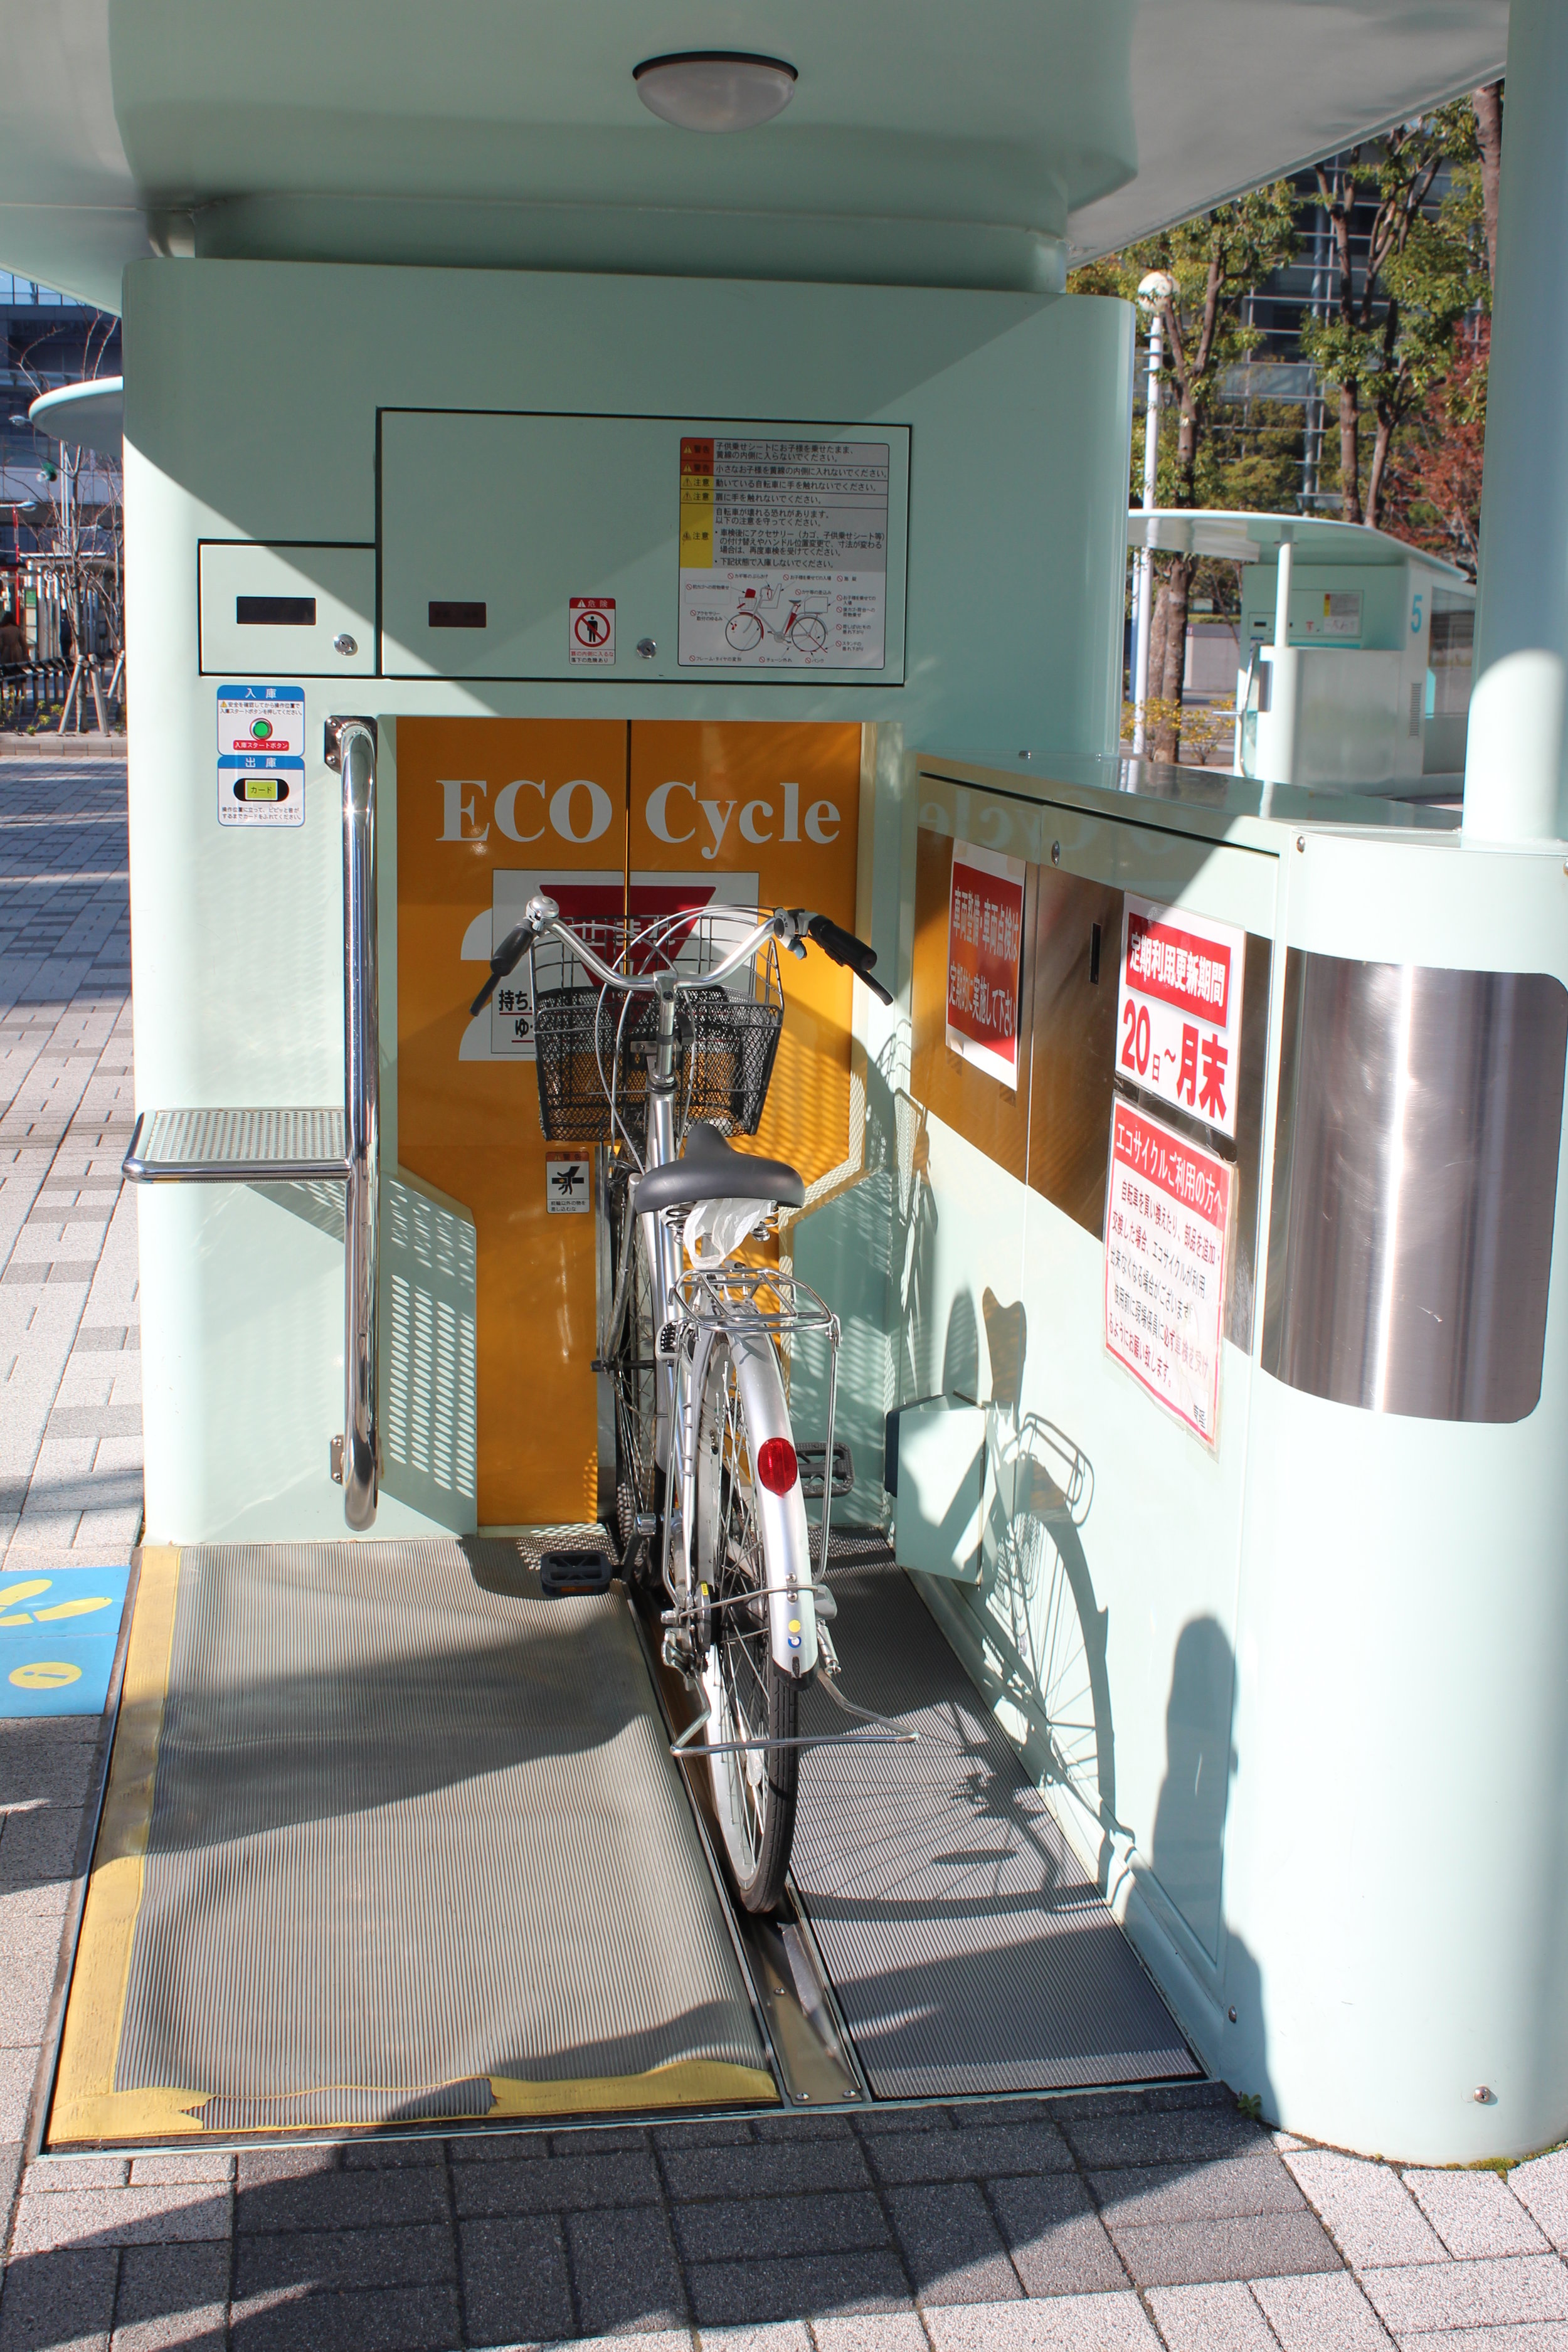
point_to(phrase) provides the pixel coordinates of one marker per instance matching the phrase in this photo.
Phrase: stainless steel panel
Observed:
(1251, 1075)
(1416, 1164)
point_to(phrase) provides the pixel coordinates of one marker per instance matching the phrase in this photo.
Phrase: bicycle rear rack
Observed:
(315, 1145)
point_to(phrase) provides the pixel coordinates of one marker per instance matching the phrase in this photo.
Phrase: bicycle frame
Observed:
(692, 1310)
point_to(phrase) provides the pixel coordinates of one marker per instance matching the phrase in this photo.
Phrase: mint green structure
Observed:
(1298, 1700)
(238, 931)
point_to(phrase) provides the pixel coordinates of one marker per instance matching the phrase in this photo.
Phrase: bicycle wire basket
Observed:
(592, 1042)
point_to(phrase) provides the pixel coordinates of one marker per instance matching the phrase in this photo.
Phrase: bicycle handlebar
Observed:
(789, 925)
(847, 949)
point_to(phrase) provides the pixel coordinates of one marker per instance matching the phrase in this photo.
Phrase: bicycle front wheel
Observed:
(631, 1364)
(750, 1699)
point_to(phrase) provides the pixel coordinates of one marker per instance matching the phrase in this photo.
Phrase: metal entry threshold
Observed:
(388, 1838)
(970, 1953)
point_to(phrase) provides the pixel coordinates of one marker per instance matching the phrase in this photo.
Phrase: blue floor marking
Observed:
(58, 1629)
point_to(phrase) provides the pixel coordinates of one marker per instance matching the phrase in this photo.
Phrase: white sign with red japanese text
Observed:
(1167, 1240)
(1178, 1013)
(984, 956)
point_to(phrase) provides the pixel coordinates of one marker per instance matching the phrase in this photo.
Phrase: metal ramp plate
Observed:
(389, 1838)
(244, 1146)
(969, 1951)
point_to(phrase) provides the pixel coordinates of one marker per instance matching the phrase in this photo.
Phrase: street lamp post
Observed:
(1153, 292)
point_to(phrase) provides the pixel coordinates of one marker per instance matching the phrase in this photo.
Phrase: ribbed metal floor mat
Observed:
(416, 1849)
(969, 1951)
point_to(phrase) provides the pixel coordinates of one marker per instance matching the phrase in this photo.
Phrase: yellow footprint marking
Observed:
(45, 1674)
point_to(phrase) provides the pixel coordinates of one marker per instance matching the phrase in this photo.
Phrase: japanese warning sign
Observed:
(568, 1189)
(784, 554)
(260, 754)
(1178, 1013)
(1167, 1236)
(591, 631)
(985, 952)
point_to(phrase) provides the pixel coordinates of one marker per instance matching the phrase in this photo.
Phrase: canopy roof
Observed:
(91, 415)
(1257, 538)
(984, 144)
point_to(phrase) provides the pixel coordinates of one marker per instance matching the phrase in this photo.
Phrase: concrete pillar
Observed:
(1514, 774)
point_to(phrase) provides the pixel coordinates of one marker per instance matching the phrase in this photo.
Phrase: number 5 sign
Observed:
(1178, 1012)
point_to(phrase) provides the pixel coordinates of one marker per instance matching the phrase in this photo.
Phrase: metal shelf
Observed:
(236, 1146)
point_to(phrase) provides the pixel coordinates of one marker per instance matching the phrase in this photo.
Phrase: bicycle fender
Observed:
(786, 1549)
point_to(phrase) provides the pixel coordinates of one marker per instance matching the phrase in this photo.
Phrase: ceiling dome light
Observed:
(715, 90)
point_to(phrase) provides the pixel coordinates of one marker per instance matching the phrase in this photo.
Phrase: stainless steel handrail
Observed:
(362, 1118)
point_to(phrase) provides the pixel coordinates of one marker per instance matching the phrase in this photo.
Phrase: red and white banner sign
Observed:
(985, 958)
(1178, 1014)
(1167, 1240)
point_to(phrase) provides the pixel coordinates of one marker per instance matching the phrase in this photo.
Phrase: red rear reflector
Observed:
(776, 1466)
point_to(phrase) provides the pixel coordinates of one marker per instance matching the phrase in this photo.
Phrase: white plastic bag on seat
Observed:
(714, 1230)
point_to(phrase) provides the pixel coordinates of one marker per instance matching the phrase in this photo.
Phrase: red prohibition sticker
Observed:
(591, 631)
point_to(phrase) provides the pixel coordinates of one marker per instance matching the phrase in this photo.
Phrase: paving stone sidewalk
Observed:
(71, 1393)
(1091, 2224)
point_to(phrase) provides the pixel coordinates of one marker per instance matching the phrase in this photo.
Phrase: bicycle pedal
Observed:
(813, 1460)
(564, 1574)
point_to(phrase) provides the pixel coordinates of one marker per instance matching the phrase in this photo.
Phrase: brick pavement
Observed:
(71, 1393)
(1093, 2224)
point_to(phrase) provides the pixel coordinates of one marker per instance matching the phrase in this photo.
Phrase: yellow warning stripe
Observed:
(163, 2113)
(684, 2083)
(95, 2012)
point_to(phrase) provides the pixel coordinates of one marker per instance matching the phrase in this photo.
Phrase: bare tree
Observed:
(88, 539)
(1488, 106)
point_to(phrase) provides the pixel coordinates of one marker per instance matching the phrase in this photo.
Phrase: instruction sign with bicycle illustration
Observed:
(784, 554)
(1167, 1241)
(1178, 1012)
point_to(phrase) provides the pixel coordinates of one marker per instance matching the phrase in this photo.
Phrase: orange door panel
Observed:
(488, 810)
(774, 808)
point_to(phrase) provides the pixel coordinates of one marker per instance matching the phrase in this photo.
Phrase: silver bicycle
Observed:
(648, 1038)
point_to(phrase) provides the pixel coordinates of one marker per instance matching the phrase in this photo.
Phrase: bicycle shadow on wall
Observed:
(914, 1252)
(1044, 1628)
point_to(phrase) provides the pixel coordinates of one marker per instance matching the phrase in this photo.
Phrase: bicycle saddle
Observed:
(709, 1171)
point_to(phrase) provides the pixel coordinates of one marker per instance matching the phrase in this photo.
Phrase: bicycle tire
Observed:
(638, 1486)
(748, 1696)
(744, 631)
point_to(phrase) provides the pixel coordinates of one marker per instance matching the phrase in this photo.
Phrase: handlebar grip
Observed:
(506, 959)
(846, 949)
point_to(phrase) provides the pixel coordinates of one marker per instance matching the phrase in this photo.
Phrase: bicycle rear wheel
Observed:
(749, 1699)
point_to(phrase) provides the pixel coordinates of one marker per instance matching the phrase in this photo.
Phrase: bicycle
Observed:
(805, 627)
(711, 1486)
